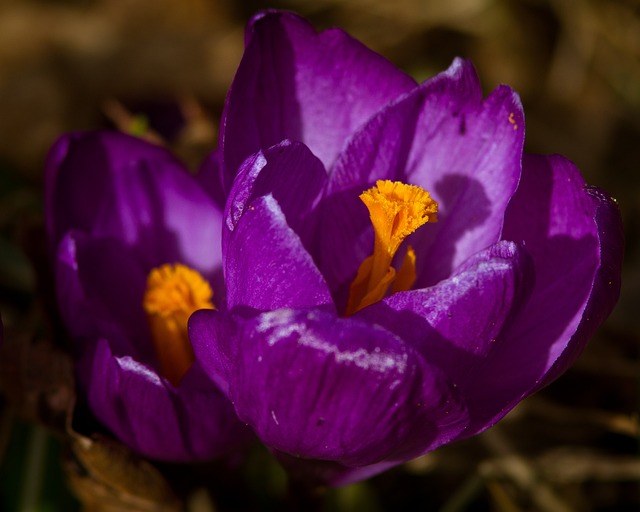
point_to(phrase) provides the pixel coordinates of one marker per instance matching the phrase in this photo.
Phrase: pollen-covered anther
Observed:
(173, 293)
(396, 210)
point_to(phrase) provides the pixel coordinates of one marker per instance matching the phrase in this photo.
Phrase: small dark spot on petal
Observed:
(463, 125)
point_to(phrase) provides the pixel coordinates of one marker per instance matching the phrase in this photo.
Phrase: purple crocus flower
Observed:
(346, 348)
(136, 243)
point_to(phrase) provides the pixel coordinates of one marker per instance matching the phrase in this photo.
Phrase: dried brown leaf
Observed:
(106, 476)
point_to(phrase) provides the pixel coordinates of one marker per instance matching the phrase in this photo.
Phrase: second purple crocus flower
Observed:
(136, 244)
(359, 333)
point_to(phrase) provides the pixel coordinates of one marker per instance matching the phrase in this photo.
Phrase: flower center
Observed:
(173, 293)
(396, 210)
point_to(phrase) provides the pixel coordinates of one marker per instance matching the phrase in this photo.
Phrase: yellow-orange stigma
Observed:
(173, 293)
(396, 210)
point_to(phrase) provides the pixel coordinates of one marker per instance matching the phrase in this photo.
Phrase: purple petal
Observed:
(563, 225)
(100, 289)
(553, 215)
(320, 387)
(294, 83)
(606, 282)
(459, 324)
(213, 337)
(266, 265)
(467, 312)
(441, 136)
(112, 185)
(78, 172)
(292, 175)
(193, 421)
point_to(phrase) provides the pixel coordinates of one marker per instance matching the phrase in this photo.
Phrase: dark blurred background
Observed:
(80, 64)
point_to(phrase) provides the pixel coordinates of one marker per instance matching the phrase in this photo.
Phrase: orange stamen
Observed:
(396, 210)
(173, 293)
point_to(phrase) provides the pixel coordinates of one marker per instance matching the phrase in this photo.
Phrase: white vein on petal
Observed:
(239, 202)
(131, 365)
(280, 325)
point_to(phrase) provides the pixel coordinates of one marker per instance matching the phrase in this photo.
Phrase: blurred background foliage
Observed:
(80, 64)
